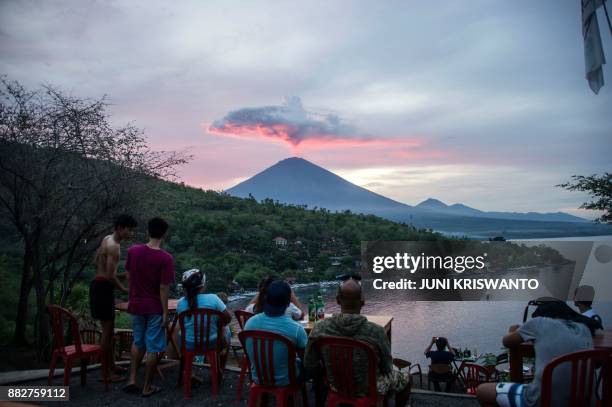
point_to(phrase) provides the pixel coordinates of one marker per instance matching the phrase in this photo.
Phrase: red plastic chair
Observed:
(242, 317)
(582, 383)
(337, 356)
(473, 375)
(203, 319)
(84, 352)
(91, 337)
(262, 361)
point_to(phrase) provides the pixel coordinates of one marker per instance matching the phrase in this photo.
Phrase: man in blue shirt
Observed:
(273, 319)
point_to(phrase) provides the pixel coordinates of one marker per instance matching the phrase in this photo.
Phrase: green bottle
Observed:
(312, 310)
(320, 307)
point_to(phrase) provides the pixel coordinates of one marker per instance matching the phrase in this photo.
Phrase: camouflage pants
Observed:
(392, 382)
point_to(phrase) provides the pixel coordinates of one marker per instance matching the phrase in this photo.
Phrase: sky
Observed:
(479, 102)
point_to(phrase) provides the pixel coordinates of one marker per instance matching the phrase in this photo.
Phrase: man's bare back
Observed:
(107, 258)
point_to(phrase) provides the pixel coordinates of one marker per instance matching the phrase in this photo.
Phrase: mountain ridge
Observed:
(462, 209)
(298, 181)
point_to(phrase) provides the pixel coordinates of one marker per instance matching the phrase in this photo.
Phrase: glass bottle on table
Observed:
(320, 307)
(312, 310)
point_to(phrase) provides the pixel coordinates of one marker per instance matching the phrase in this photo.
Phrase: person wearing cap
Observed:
(274, 319)
(194, 282)
(583, 300)
(294, 310)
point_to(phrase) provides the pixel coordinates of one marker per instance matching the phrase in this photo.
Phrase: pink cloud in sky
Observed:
(287, 134)
(289, 123)
(310, 133)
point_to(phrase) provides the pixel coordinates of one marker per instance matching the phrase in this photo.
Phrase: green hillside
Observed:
(230, 239)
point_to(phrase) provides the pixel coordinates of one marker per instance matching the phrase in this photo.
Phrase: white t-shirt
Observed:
(552, 338)
(291, 311)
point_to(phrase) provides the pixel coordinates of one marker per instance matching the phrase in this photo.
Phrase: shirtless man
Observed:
(101, 290)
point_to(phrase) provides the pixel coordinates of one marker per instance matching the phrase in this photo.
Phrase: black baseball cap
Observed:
(278, 296)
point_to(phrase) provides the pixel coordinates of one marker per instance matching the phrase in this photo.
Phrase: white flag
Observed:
(593, 50)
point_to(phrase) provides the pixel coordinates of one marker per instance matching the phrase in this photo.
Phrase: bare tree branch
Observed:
(65, 173)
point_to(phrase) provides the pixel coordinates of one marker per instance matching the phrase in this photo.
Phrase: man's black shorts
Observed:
(102, 300)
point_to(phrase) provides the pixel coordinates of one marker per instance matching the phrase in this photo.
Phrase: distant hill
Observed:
(300, 182)
(463, 210)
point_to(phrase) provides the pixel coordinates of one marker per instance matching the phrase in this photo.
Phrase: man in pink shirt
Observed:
(151, 271)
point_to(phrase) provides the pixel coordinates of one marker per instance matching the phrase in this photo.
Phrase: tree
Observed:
(599, 189)
(65, 172)
(246, 279)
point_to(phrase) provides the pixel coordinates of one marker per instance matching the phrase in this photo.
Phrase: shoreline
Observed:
(246, 294)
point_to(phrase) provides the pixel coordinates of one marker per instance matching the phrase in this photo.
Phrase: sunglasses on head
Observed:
(536, 303)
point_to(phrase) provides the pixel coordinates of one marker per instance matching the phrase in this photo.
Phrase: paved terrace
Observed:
(93, 394)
